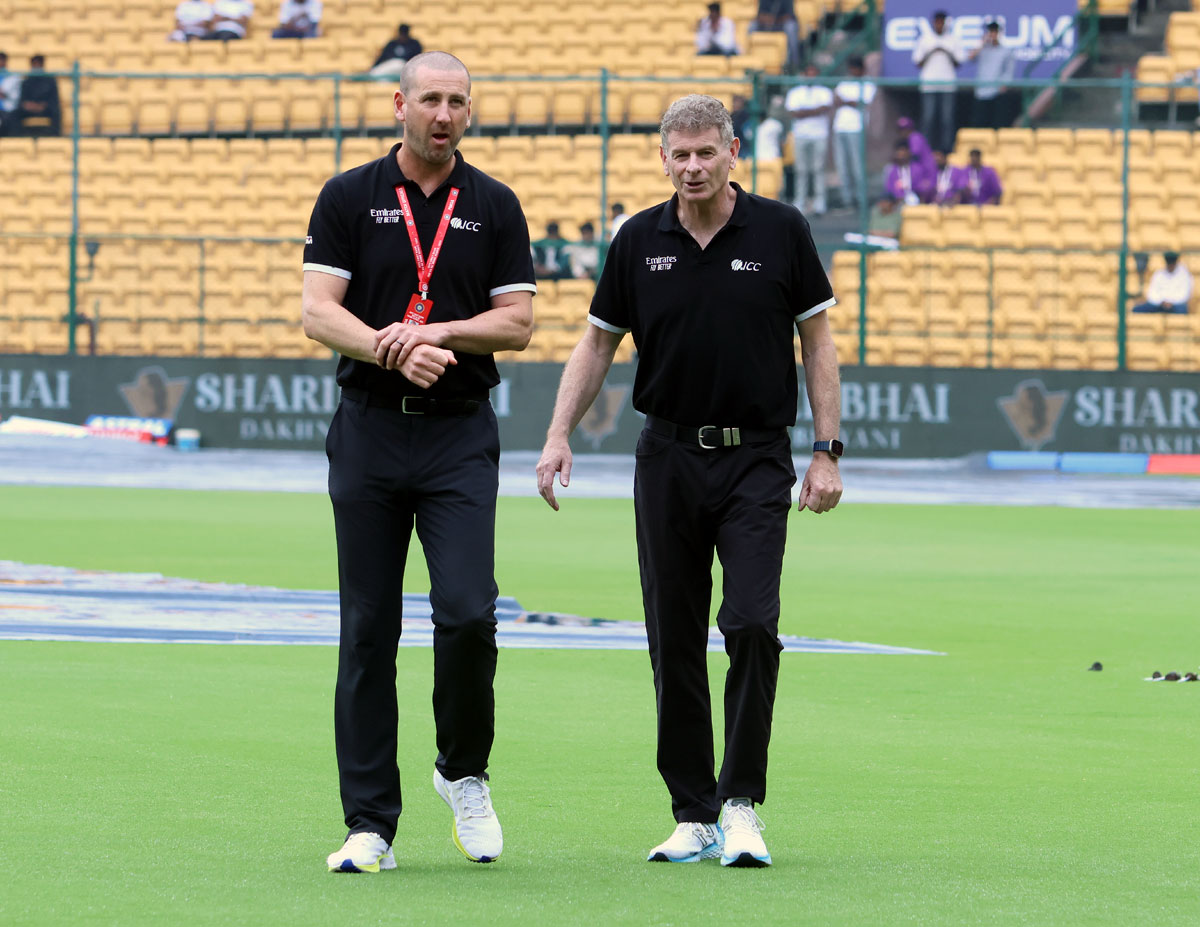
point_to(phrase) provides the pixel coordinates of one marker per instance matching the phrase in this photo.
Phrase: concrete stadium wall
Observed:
(886, 411)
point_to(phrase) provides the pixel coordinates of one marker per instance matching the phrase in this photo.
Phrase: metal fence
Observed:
(161, 264)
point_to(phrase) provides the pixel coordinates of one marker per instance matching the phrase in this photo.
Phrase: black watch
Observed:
(833, 448)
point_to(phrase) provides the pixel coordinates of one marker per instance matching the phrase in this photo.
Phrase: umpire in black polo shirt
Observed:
(417, 268)
(712, 284)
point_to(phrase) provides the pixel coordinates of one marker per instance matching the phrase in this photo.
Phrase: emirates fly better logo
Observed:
(739, 264)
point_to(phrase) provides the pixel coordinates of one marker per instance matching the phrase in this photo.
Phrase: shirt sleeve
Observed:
(327, 249)
(610, 308)
(811, 286)
(512, 264)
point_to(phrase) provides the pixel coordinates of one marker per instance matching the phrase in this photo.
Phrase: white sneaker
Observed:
(362, 853)
(690, 843)
(476, 828)
(743, 841)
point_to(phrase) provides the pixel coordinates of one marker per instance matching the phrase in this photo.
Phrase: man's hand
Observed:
(556, 458)
(394, 343)
(822, 486)
(426, 363)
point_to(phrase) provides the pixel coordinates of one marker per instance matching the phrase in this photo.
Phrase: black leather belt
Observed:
(711, 437)
(413, 405)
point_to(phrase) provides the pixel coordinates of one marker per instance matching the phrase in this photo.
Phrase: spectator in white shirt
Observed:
(768, 134)
(619, 218)
(1170, 288)
(851, 99)
(716, 34)
(231, 19)
(299, 19)
(10, 95)
(810, 106)
(193, 19)
(938, 55)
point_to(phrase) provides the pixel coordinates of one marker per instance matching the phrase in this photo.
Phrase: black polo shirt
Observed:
(714, 328)
(357, 233)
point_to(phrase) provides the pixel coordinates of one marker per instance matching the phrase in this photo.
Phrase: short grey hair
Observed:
(434, 60)
(695, 113)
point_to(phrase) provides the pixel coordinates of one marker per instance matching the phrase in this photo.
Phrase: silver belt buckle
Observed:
(404, 406)
(729, 437)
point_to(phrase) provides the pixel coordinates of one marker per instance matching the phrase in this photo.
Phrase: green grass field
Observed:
(998, 784)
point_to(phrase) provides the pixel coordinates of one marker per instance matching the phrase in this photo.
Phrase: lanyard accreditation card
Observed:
(420, 303)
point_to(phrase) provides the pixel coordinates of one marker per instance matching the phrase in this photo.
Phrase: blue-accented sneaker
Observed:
(476, 828)
(362, 853)
(744, 844)
(690, 843)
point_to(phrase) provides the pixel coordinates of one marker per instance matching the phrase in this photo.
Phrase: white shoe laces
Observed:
(702, 832)
(474, 798)
(361, 841)
(742, 817)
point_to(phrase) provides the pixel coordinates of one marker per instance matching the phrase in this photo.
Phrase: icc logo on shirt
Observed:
(738, 264)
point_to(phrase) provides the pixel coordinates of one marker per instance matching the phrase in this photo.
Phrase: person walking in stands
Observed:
(1170, 287)
(713, 286)
(938, 55)
(851, 98)
(416, 269)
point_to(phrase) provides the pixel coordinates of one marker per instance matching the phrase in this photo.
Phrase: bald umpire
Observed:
(417, 268)
(713, 285)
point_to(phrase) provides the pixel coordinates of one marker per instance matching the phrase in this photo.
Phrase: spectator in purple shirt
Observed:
(917, 144)
(983, 184)
(949, 182)
(906, 181)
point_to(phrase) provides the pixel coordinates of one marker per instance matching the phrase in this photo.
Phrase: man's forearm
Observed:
(581, 381)
(339, 329)
(504, 328)
(823, 382)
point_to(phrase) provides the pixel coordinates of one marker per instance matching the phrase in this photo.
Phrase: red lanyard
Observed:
(425, 268)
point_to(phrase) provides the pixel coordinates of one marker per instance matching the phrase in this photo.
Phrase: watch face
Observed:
(836, 448)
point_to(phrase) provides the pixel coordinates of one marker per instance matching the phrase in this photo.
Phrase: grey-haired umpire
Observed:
(417, 268)
(713, 286)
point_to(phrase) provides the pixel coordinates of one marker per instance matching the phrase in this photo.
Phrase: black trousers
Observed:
(389, 471)
(690, 502)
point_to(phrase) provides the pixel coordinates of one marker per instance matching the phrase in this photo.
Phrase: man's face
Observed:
(939, 24)
(812, 71)
(698, 164)
(991, 37)
(901, 156)
(976, 160)
(939, 158)
(435, 114)
(886, 206)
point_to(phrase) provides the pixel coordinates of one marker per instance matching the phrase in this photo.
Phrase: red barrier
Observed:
(1188, 464)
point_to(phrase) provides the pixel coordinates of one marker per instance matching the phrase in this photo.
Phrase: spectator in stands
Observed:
(549, 262)
(583, 256)
(38, 106)
(938, 55)
(918, 145)
(983, 183)
(884, 221)
(949, 183)
(740, 114)
(851, 98)
(716, 34)
(193, 19)
(619, 216)
(396, 52)
(231, 19)
(10, 95)
(810, 106)
(995, 64)
(906, 180)
(770, 133)
(1170, 288)
(780, 16)
(299, 19)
